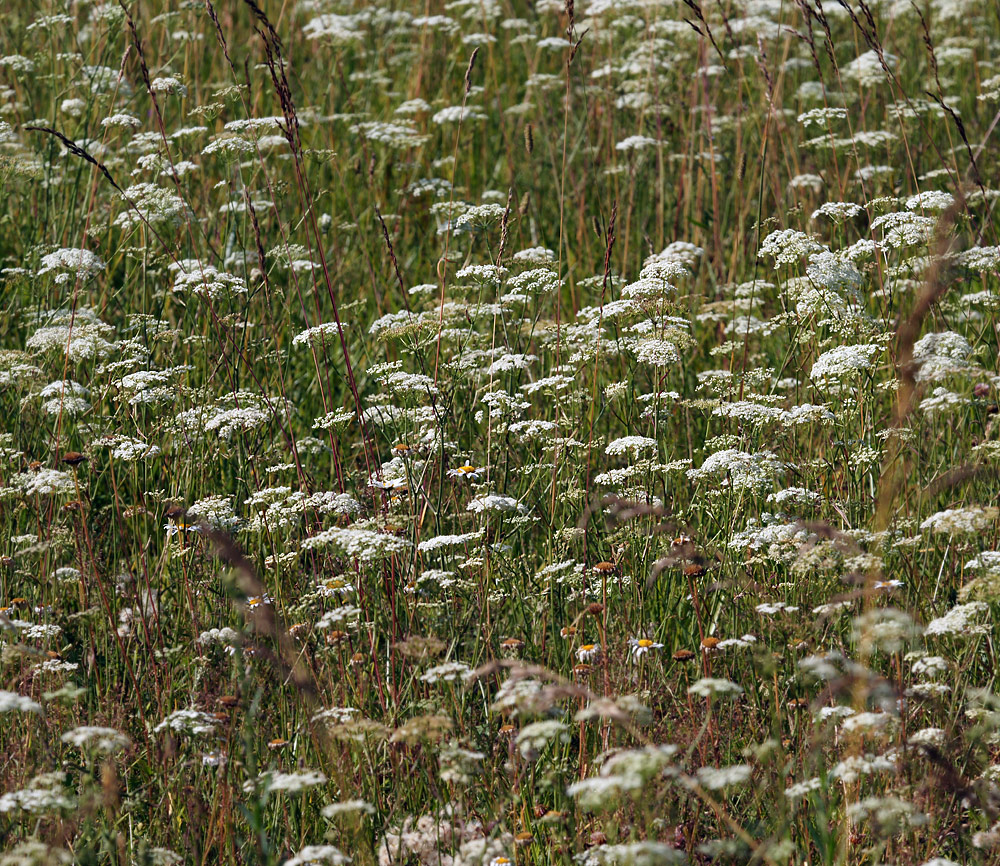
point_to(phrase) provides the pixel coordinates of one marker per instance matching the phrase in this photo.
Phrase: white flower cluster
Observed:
(147, 203)
(44, 482)
(630, 445)
(365, 545)
(789, 247)
(198, 278)
(188, 721)
(445, 542)
(449, 672)
(289, 783)
(13, 702)
(44, 794)
(843, 361)
(98, 739)
(709, 687)
(960, 521)
(225, 636)
(963, 620)
(70, 264)
(739, 470)
(319, 335)
(318, 854)
(941, 354)
(495, 502)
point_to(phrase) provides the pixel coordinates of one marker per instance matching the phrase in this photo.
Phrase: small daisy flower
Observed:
(255, 601)
(887, 585)
(641, 646)
(467, 472)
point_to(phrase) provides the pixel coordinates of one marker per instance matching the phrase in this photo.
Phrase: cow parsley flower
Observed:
(960, 521)
(533, 738)
(843, 361)
(189, 721)
(904, 229)
(289, 783)
(105, 740)
(495, 502)
(13, 702)
(656, 353)
(962, 621)
(630, 445)
(709, 687)
(449, 672)
(717, 778)
(838, 211)
(739, 470)
(146, 202)
(868, 70)
(312, 855)
(43, 795)
(69, 264)
(941, 354)
(788, 247)
(198, 278)
(45, 482)
(801, 789)
(366, 545)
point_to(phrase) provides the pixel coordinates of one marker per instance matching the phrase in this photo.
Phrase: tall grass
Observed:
(499, 433)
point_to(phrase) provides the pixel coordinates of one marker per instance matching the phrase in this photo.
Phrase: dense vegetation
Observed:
(492, 432)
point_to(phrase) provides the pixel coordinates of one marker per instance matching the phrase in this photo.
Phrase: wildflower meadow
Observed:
(499, 432)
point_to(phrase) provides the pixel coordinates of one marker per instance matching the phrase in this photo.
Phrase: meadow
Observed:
(499, 433)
